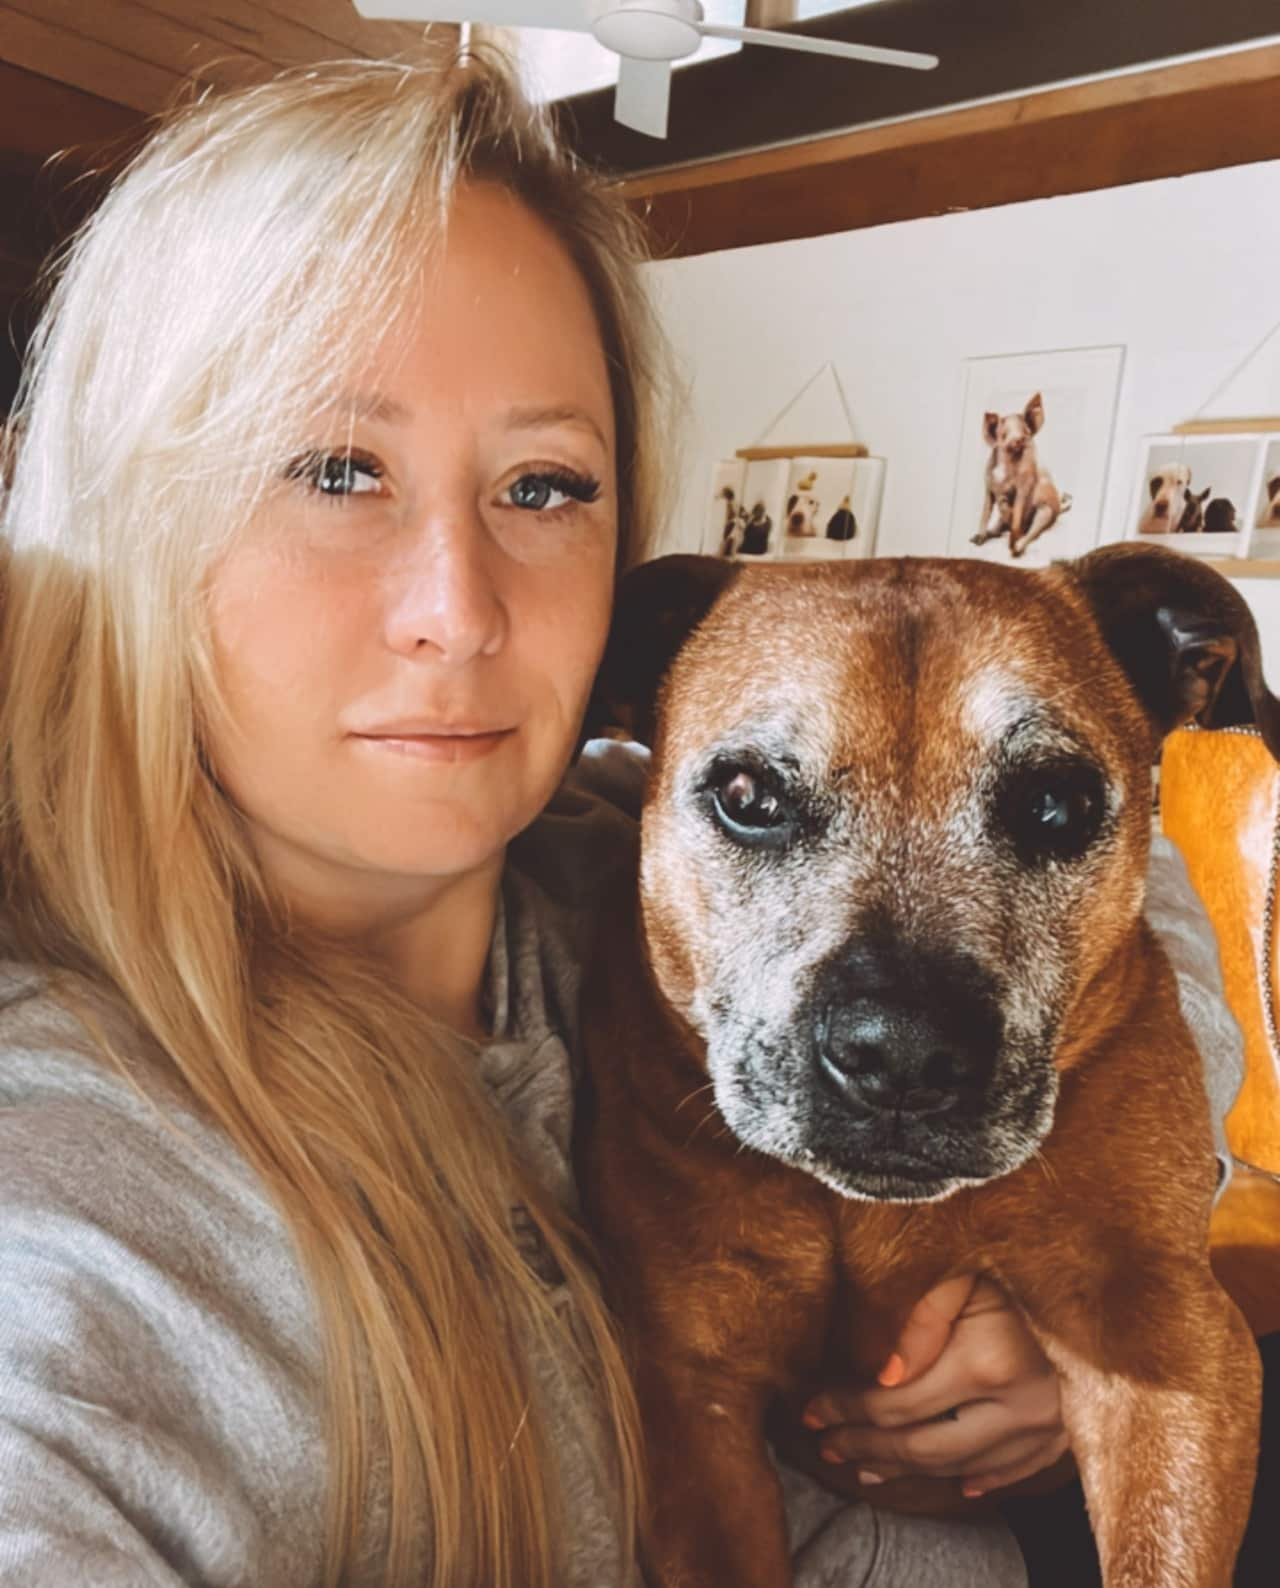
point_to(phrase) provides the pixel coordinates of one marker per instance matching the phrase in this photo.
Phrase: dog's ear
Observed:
(1033, 413)
(658, 606)
(1183, 634)
(1273, 485)
(1157, 480)
(990, 428)
(1204, 495)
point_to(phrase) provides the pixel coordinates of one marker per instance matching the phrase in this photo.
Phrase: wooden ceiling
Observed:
(140, 53)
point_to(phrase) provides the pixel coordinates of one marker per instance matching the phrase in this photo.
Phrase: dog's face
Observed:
(802, 515)
(862, 900)
(1169, 495)
(883, 860)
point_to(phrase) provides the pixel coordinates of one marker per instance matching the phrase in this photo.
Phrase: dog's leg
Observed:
(716, 1505)
(1161, 1389)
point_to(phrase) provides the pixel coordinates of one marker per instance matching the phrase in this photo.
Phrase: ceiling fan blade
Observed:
(644, 95)
(801, 41)
(574, 16)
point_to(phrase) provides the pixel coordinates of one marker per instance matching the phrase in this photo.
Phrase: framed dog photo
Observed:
(832, 508)
(722, 529)
(1035, 447)
(763, 506)
(1264, 539)
(1197, 493)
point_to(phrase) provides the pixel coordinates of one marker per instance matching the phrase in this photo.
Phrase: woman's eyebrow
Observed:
(373, 405)
(535, 417)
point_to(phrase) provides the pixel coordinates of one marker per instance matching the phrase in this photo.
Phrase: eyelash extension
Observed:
(309, 467)
(580, 487)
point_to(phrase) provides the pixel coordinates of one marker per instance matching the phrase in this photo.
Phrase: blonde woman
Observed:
(338, 425)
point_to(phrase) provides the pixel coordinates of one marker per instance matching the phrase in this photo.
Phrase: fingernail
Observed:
(833, 1457)
(893, 1372)
(972, 1491)
(869, 1477)
(813, 1420)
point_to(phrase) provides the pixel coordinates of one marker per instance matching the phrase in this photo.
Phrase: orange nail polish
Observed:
(812, 1420)
(893, 1372)
(833, 1457)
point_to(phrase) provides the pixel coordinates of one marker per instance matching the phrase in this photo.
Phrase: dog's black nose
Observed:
(892, 1058)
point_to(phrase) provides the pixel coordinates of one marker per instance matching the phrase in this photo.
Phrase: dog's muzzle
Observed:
(906, 1074)
(882, 1057)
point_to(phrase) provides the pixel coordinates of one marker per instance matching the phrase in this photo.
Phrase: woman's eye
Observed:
(338, 474)
(547, 490)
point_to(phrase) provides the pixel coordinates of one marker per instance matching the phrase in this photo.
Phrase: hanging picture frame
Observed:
(1198, 493)
(1035, 448)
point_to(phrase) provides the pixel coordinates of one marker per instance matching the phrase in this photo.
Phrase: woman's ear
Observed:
(658, 606)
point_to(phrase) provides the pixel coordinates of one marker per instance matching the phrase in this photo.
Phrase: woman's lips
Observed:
(453, 747)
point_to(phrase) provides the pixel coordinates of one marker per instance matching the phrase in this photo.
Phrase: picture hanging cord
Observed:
(1236, 369)
(816, 376)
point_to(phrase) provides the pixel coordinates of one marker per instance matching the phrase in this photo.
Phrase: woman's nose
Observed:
(444, 599)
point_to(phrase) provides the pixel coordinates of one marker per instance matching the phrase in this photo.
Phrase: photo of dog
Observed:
(757, 529)
(842, 525)
(803, 507)
(1191, 490)
(1173, 509)
(831, 508)
(1022, 501)
(1264, 537)
(726, 518)
(1033, 448)
(1221, 518)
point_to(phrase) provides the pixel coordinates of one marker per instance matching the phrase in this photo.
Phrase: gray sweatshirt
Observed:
(160, 1390)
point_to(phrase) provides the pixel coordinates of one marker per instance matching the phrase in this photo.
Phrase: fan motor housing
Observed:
(650, 30)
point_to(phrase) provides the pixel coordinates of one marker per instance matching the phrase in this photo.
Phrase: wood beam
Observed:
(1171, 121)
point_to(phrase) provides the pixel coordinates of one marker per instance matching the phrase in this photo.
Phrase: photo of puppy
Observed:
(731, 532)
(1263, 513)
(842, 525)
(1169, 492)
(756, 532)
(1220, 517)
(1022, 500)
(803, 508)
(725, 518)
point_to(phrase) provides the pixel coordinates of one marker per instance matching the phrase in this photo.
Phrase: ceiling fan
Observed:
(648, 35)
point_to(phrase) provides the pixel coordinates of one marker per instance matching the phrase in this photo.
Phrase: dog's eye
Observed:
(748, 809)
(1053, 813)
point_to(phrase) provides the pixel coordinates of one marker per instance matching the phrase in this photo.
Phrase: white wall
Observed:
(1185, 273)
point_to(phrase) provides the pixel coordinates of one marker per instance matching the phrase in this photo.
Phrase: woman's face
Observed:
(407, 633)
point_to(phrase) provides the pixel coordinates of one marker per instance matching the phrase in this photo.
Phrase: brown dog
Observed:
(890, 1012)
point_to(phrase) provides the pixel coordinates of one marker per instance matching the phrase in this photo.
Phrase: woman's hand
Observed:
(967, 1394)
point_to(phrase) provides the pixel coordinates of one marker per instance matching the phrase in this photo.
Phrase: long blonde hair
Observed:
(188, 339)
